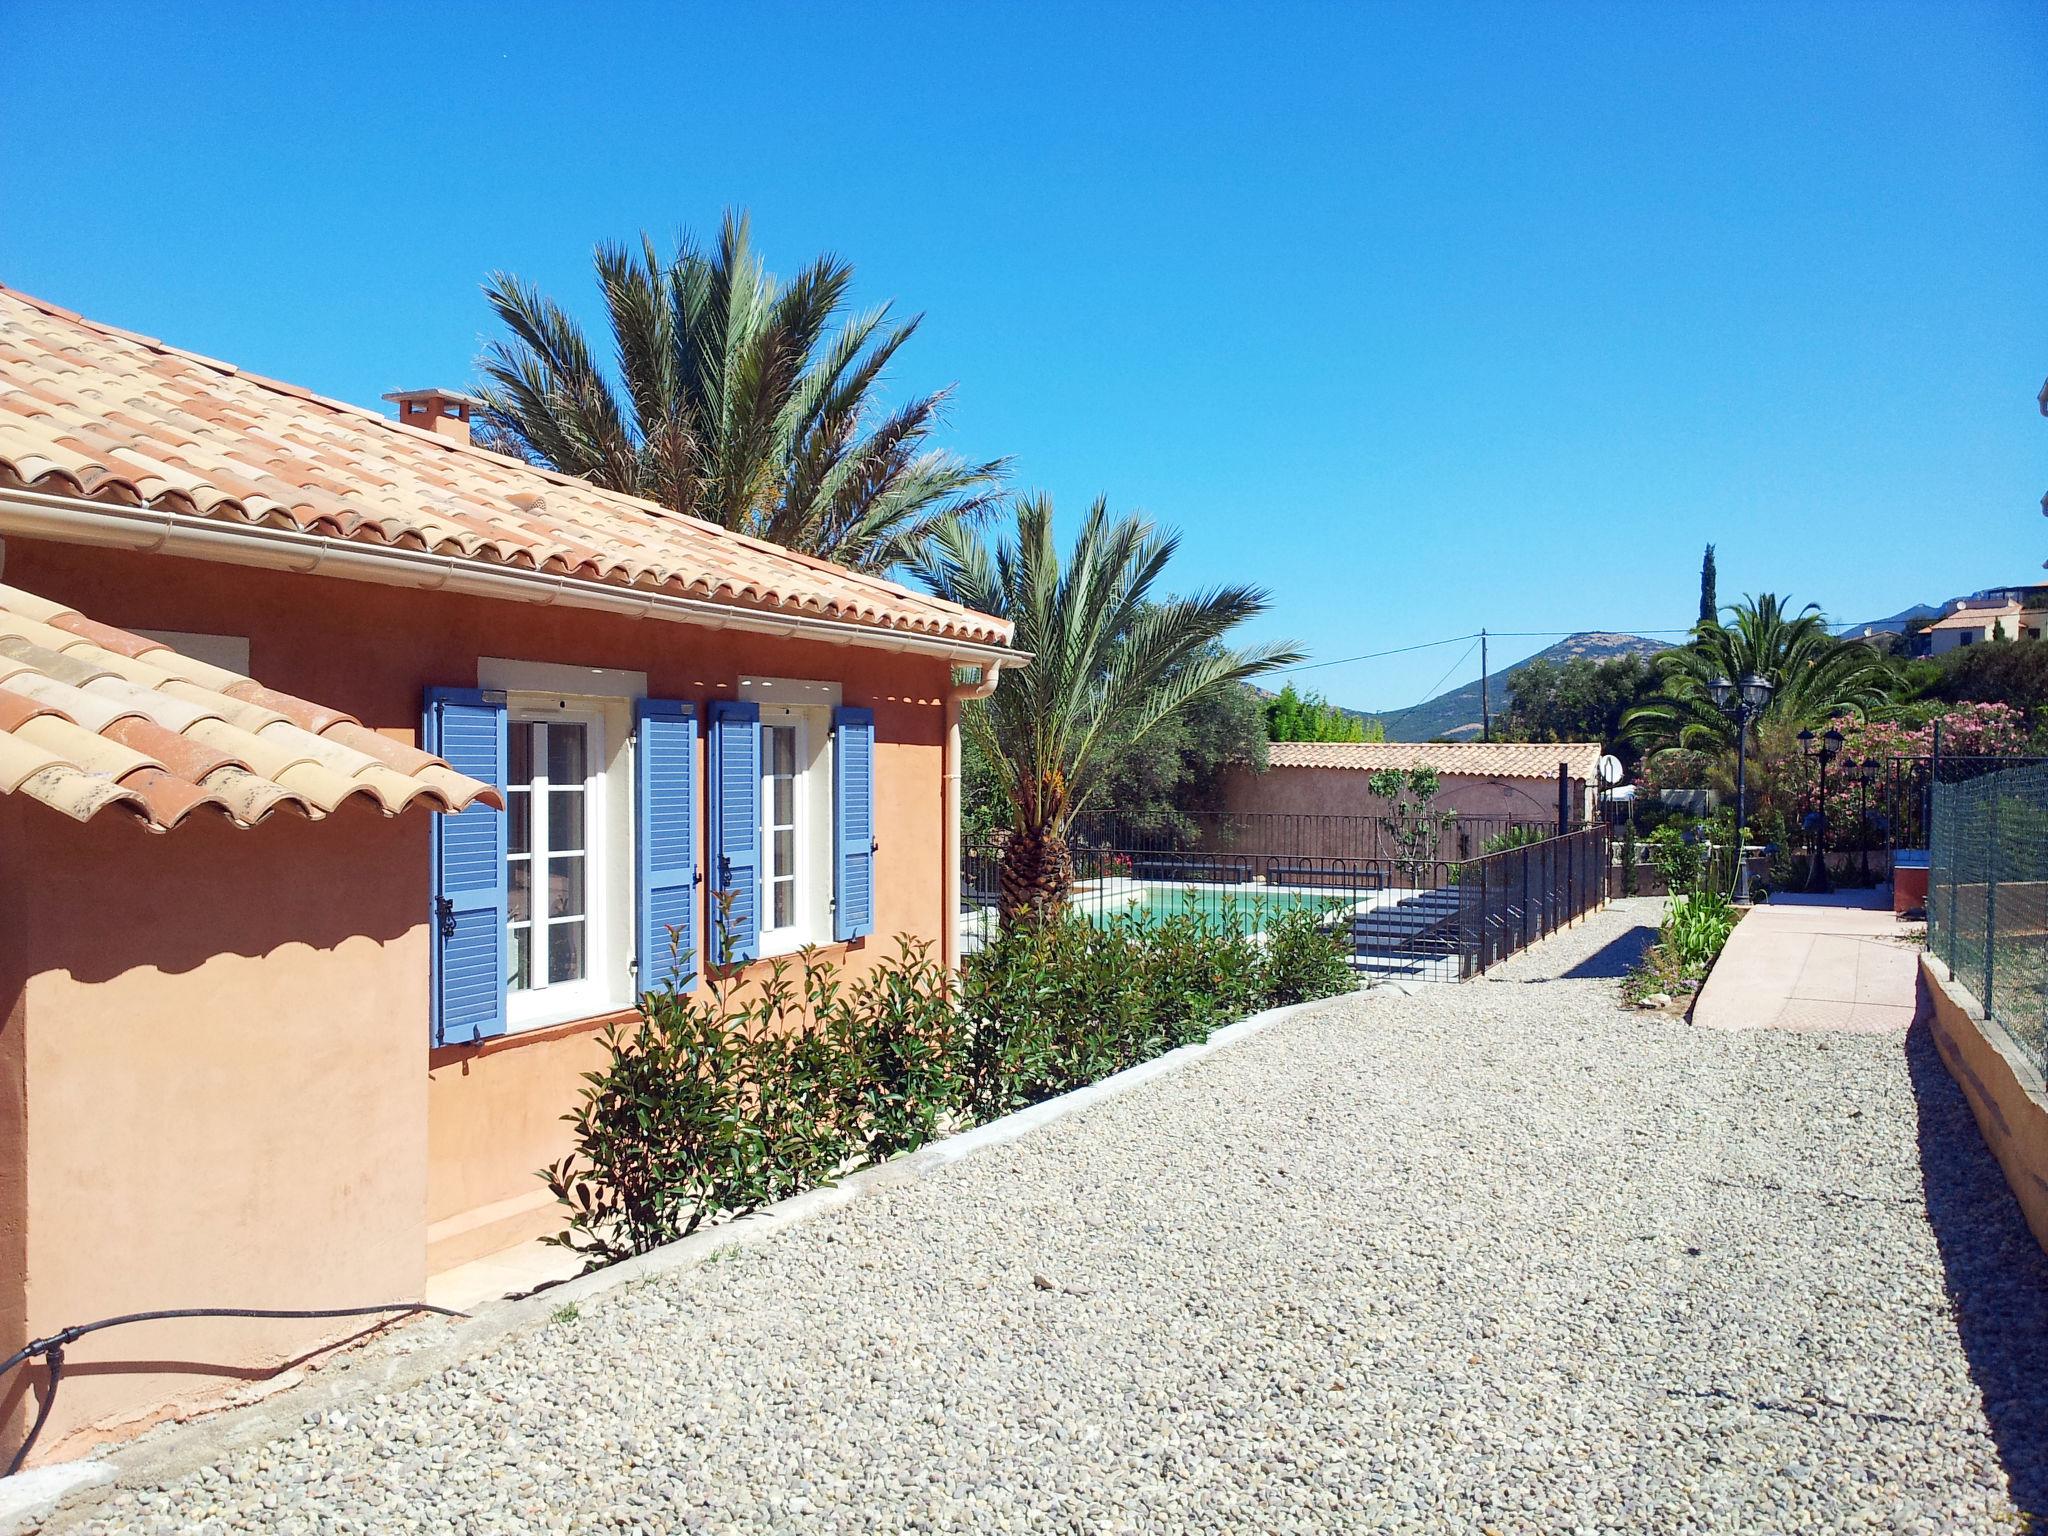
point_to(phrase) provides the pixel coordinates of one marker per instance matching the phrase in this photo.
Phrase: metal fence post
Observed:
(1991, 899)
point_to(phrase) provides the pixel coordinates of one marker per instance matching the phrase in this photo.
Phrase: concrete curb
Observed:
(51, 1498)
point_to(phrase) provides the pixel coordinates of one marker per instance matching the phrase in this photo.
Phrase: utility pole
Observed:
(1485, 704)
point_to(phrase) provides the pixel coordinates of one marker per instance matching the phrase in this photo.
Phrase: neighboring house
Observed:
(1982, 619)
(1481, 781)
(268, 1038)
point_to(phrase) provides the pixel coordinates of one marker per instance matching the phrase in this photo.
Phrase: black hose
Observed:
(53, 1346)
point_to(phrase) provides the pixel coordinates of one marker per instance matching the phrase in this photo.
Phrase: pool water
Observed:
(1255, 905)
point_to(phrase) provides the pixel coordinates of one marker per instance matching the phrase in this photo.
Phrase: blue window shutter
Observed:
(853, 822)
(665, 843)
(735, 825)
(467, 727)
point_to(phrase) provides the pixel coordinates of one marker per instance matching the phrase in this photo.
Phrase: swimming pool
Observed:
(1156, 900)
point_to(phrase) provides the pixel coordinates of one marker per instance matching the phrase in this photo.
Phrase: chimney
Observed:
(442, 412)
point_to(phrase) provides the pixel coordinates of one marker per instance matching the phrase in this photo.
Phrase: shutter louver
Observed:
(665, 844)
(735, 827)
(853, 823)
(467, 728)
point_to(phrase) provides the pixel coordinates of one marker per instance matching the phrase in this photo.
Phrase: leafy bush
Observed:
(1516, 837)
(715, 1102)
(1694, 932)
(1304, 959)
(1680, 853)
(1695, 929)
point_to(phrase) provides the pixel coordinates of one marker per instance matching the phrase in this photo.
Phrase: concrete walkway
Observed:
(1839, 962)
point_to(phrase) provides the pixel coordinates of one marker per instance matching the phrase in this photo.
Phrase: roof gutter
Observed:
(76, 520)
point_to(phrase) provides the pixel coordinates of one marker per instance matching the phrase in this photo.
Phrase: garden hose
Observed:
(52, 1348)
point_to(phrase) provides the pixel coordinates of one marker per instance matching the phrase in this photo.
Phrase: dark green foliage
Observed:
(2011, 672)
(1175, 771)
(1516, 837)
(717, 1102)
(1582, 700)
(723, 1100)
(1292, 716)
(1710, 605)
(1053, 1006)
(1304, 959)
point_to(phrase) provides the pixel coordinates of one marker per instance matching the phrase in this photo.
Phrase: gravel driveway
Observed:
(1494, 1257)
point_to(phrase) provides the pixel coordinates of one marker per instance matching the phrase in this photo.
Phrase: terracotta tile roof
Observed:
(1474, 759)
(1979, 618)
(86, 409)
(92, 717)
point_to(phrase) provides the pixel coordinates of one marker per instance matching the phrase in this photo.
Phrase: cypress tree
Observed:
(1710, 607)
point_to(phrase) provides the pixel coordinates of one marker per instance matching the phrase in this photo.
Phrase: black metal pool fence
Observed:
(1987, 896)
(1437, 901)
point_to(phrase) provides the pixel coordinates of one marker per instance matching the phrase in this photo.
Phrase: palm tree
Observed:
(736, 401)
(1109, 663)
(1813, 675)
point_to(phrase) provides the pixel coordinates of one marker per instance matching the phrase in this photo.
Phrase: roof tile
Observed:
(1483, 759)
(85, 725)
(89, 409)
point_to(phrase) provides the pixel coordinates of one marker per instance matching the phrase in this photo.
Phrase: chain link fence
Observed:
(1987, 900)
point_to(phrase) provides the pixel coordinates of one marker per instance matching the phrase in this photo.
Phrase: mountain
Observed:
(1896, 624)
(1457, 712)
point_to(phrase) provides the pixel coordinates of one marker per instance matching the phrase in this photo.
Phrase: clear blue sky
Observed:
(1424, 317)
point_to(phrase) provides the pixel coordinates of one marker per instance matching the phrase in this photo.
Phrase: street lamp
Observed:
(1829, 747)
(1744, 701)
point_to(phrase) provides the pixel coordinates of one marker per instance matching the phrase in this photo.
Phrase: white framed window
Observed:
(555, 855)
(796, 810)
(569, 839)
(784, 751)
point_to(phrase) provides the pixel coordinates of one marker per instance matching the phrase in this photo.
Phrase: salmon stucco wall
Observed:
(2004, 1090)
(493, 1112)
(222, 1036)
(1344, 792)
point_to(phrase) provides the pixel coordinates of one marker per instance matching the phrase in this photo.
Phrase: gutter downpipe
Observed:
(949, 812)
(74, 520)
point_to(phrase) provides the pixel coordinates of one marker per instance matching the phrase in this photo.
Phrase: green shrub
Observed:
(1515, 837)
(715, 1102)
(1696, 927)
(1305, 959)
(1679, 851)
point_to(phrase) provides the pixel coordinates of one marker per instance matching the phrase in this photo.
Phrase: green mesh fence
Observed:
(1987, 897)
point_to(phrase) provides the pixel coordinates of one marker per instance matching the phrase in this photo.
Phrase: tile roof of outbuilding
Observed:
(1474, 759)
(89, 410)
(92, 718)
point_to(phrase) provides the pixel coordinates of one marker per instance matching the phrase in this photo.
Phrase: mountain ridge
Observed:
(1456, 712)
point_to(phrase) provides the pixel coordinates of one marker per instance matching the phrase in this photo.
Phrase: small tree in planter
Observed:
(1411, 820)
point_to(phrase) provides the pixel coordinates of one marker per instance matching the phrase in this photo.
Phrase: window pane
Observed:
(565, 820)
(783, 746)
(522, 975)
(565, 887)
(521, 741)
(565, 952)
(784, 904)
(518, 823)
(784, 853)
(565, 754)
(782, 804)
(518, 888)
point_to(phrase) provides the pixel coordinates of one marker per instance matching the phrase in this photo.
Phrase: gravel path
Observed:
(1495, 1257)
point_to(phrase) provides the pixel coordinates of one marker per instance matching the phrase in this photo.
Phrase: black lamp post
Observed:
(1828, 748)
(1744, 701)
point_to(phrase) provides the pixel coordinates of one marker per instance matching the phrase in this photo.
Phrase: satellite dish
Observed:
(1608, 768)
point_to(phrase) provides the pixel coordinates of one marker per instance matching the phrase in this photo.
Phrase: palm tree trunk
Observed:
(1037, 874)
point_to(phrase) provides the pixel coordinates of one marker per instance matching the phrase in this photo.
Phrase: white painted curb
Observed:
(67, 1491)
